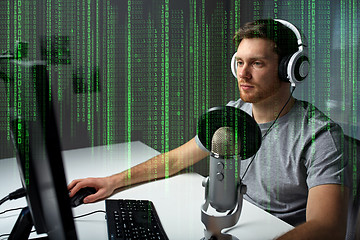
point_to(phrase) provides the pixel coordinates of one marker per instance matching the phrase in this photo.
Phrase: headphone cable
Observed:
(268, 130)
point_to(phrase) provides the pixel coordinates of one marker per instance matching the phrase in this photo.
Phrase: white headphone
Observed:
(293, 68)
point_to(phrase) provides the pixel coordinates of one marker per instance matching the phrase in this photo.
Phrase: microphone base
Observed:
(215, 224)
(221, 236)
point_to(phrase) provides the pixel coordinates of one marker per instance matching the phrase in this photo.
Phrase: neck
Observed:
(268, 109)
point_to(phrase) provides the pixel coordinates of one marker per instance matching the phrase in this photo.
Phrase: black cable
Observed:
(10, 210)
(21, 192)
(84, 215)
(87, 214)
(268, 130)
(8, 234)
(5, 235)
(4, 199)
(14, 209)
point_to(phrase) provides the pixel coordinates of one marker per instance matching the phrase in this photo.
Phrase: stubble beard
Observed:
(258, 95)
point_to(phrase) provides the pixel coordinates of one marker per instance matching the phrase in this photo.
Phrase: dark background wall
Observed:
(146, 69)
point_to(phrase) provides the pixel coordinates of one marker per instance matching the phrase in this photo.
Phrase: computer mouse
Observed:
(78, 198)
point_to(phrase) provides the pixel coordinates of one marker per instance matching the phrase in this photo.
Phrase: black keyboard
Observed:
(133, 219)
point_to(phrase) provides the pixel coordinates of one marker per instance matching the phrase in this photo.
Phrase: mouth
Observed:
(246, 87)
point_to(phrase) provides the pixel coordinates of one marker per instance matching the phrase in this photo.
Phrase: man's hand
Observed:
(104, 188)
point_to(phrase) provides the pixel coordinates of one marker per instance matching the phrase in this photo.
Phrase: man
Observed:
(298, 173)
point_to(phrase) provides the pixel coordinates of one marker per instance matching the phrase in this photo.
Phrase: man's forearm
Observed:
(154, 168)
(314, 230)
(160, 166)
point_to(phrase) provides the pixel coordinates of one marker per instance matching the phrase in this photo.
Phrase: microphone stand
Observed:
(215, 224)
(215, 134)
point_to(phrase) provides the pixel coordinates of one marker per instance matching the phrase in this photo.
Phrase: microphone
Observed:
(230, 135)
(224, 170)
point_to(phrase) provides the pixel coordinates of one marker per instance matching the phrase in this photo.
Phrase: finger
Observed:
(100, 194)
(92, 198)
(73, 183)
(76, 188)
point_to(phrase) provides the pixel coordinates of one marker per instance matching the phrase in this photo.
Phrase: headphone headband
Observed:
(300, 40)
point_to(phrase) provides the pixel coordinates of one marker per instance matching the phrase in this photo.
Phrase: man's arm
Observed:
(326, 214)
(162, 165)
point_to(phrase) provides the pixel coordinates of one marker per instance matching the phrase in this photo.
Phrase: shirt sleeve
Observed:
(324, 158)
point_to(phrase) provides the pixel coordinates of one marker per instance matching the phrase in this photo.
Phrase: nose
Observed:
(243, 71)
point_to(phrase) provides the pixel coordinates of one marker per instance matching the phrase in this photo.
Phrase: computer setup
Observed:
(41, 168)
(39, 159)
(40, 164)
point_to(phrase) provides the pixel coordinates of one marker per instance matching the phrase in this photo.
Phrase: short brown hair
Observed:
(284, 38)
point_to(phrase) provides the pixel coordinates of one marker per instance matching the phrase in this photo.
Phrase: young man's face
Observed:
(257, 70)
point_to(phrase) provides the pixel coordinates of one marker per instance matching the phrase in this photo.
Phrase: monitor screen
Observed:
(35, 136)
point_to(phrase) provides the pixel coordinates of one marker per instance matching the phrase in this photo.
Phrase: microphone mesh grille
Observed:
(223, 142)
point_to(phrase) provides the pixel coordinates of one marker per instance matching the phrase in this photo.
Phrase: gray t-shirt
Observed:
(302, 150)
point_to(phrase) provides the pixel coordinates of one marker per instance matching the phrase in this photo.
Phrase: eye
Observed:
(239, 63)
(258, 64)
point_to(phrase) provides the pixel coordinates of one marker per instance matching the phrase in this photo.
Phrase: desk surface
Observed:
(177, 199)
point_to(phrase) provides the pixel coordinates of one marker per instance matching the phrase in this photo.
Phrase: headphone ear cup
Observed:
(300, 66)
(234, 66)
(283, 66)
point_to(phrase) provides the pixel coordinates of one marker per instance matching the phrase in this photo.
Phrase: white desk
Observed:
(177, 199)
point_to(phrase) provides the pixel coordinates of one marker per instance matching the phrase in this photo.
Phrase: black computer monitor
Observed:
(35, 136)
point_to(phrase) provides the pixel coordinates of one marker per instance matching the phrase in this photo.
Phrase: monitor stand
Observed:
(23, 226)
